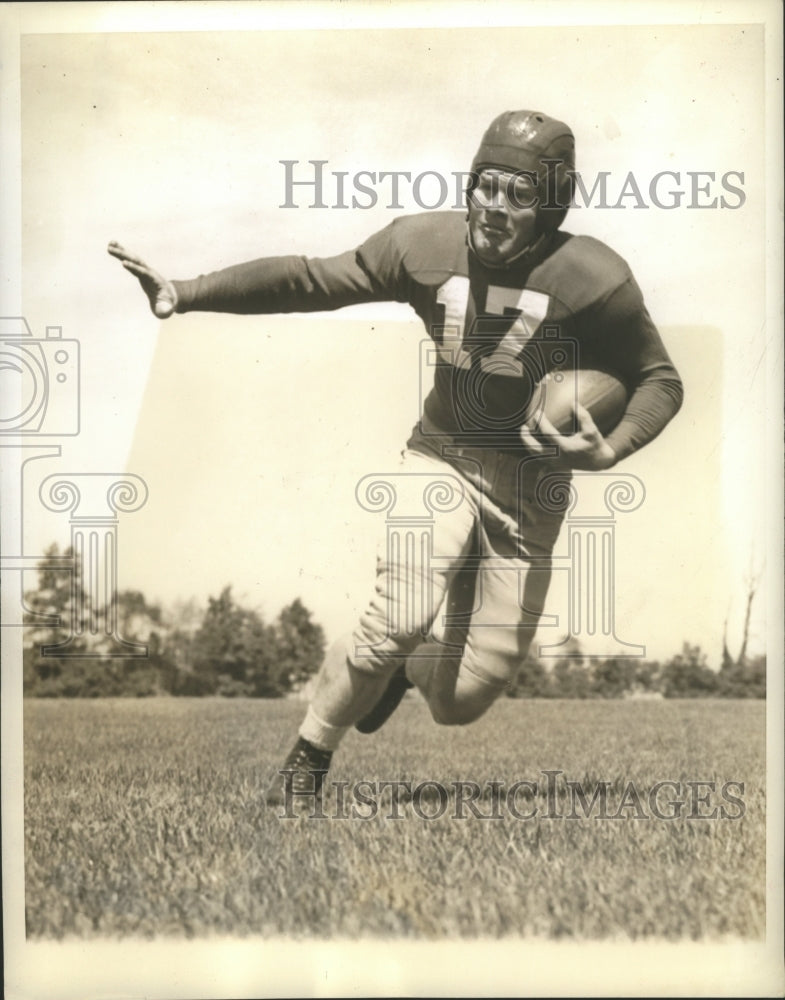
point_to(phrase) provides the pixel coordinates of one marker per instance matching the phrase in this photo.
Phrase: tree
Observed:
(48, 615)
(220, 651)
(300, 644)
(743, 677)
(647, 677)
(236, 653)
(58, 611)
(135, 616)
(226, 649)
(531, 680)
(571, 678)
(747, 680)
(756, 678)
(182, 622)
(140, 621)
(611, 677)
(268, 675)
(687, 675)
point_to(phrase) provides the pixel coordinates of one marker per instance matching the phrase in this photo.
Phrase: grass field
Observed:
(147, 818)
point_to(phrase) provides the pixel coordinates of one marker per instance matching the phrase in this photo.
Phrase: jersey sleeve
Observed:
(634, 348)
(298, 284)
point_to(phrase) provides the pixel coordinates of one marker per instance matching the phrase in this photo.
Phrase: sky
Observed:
(252, 432)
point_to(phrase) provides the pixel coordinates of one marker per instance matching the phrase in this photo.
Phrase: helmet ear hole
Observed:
(556, 193)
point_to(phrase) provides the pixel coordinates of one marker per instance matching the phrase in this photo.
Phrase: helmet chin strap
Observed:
(529, 249)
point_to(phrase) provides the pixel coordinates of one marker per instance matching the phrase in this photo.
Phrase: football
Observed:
(603, 394)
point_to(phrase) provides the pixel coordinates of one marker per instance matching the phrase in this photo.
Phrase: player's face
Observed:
(502, 215)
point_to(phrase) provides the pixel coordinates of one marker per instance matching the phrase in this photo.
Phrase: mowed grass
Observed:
(147, 818)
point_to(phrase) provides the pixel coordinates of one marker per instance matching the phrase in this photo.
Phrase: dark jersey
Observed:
(571, 302)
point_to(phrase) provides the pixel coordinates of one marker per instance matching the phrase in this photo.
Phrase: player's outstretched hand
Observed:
(587, 449)
(160, 293)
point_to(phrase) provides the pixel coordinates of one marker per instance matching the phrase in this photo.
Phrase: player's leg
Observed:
(493, 616)
(457, 605)
(342, 694)
(507, 603)
(412, 581)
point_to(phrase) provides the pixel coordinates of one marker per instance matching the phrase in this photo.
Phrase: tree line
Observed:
(223, 649)
(230, 650)
(684, 675)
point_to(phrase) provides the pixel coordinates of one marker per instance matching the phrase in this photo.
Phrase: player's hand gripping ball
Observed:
(571, 412)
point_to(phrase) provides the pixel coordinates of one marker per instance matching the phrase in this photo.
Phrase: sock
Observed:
(320, 733)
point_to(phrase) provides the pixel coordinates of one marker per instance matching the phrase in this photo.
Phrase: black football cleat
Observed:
(298, 783)
(386, 705)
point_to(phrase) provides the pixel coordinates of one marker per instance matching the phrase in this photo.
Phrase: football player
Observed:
(507, 297)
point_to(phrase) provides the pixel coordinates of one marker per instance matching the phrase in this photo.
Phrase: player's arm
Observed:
(278, 284)
(621, 337)
(628, 342)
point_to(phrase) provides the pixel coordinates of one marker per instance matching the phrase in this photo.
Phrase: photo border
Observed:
(224, 968)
